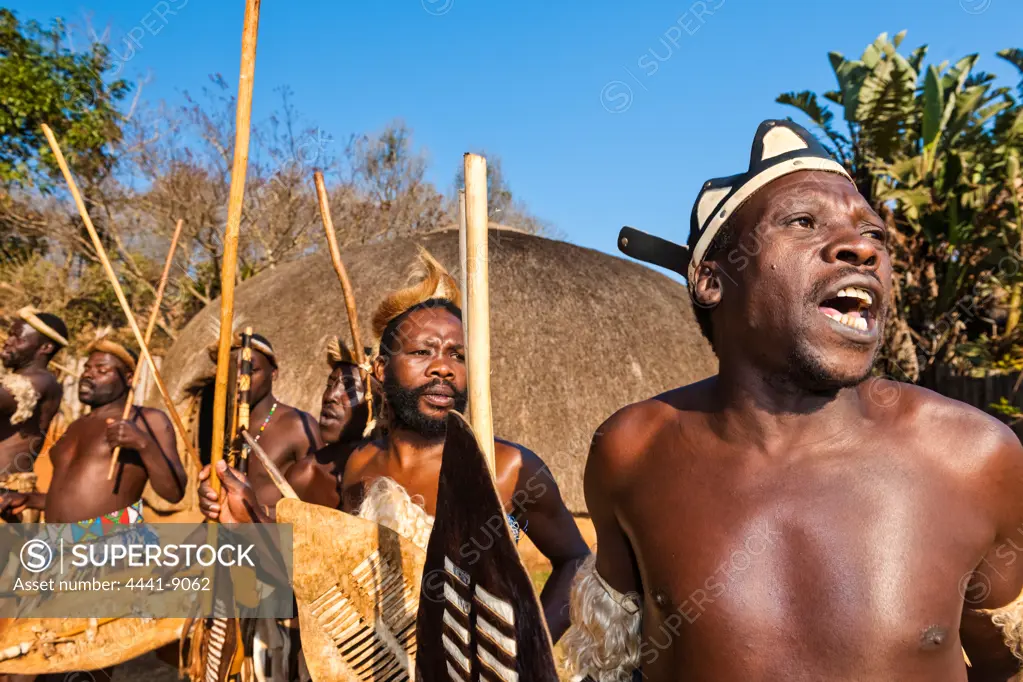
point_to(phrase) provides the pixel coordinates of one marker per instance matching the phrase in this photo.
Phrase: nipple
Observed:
(933, 638)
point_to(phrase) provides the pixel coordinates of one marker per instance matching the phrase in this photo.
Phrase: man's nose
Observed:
(853, 248)
(442, 367)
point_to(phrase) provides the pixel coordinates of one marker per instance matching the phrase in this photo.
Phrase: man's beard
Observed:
(405, 410)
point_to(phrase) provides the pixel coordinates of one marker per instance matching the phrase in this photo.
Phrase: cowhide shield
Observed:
(479, 618)
(37, 646)
(357, 588)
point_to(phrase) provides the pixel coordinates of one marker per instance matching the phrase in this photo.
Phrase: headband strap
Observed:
(113, 348)
(29, 315)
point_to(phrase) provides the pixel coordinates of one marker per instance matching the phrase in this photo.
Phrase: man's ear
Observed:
(273, 375)
(708, 288)
(47, 348)
(129, 379)
(379, 367)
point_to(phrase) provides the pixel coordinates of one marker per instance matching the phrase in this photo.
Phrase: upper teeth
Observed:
(854, 292)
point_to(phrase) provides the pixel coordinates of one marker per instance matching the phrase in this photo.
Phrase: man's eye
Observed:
(879, 235)
(802, 221)
(460, 356)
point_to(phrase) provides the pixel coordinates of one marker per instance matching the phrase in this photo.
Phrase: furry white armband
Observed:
(24, 394)
(604, 639)
(387, 503)
(1009, 619)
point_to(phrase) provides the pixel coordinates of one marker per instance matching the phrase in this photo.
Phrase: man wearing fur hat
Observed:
(393, 479)
(344, 415)
(29, 395)
(286, 433)
(793, 518)
(80, 494)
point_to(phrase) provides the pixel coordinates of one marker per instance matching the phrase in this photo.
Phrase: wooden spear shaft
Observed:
(102, 255)
(462, 259)
(478, 304)
(346, 284)
(234, 216)
(154, 314)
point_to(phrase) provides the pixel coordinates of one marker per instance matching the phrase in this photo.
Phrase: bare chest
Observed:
(866, 548)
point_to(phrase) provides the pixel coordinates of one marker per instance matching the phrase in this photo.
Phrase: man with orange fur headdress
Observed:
(392, 479)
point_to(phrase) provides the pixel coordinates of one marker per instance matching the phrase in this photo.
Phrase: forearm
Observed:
(555, 597)
(167, 476)
(36, 501)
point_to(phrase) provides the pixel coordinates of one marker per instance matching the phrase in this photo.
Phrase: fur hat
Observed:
(103, 343)
(259, 342)
(338, 353)
(427, 280)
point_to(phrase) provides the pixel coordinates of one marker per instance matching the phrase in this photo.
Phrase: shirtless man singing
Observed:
(29, 394)
(793, 518)
(80, 494)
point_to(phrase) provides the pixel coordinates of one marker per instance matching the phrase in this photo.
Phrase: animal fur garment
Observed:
(24, 393)
(1009, 619)
(103, 345)
(338, 353)
(604, 640)
(239, 324)
(428, 279)
(389, 504)
(30, 315)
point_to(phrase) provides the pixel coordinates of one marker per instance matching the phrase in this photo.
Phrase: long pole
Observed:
(478, 304)
(154, 314)
(101, 253)
(346, 284)
(234, 217)
(462, 256)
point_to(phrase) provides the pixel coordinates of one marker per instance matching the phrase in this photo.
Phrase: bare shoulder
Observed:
(939, 419)
(515, 460)
(44, 382)
(154, 417)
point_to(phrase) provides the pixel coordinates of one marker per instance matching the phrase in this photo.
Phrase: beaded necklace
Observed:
(265, 422)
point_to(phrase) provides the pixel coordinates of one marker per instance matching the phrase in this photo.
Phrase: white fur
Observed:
(604, 640)
(390, 505)
(1009, 619)
(23, 392)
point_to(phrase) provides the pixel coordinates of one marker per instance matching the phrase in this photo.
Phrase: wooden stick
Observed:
(98, 245)
(234, 217)
(478, 304)
(154, 314)
(243, 393)
(275, 474)
(346, 285)
(463, 263)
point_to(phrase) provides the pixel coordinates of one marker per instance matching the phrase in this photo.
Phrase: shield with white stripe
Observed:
(479, 617)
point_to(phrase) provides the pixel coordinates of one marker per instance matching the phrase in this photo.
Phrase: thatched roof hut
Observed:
(576, 334)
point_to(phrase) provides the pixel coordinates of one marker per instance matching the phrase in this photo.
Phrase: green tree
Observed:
(935, 149)
(42, 81)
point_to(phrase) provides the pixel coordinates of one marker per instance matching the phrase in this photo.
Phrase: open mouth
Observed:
(852, 307)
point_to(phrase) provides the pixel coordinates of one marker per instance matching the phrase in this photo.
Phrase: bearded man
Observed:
(792, 518)
(30, 395)
(393, 479)
(344, 414)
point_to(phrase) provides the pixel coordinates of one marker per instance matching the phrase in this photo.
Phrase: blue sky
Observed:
(603, 113)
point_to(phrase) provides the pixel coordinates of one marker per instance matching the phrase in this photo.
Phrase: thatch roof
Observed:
(576, 334)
